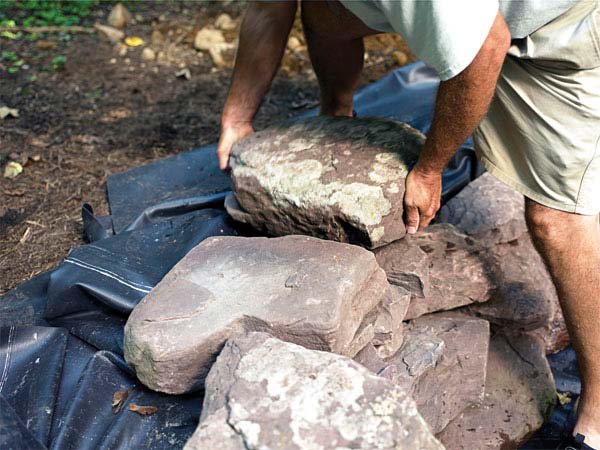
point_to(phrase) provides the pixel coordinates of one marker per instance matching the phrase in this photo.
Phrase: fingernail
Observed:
(411, 230)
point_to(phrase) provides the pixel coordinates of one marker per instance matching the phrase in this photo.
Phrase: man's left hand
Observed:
(421, 198)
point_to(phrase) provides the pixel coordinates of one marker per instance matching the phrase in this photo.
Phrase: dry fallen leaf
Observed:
(564, 398)
(5, 111)
(12, 169)
(142, 410)
(119, 399)
(134, 41)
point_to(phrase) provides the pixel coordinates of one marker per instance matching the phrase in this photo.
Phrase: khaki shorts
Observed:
(541, 135)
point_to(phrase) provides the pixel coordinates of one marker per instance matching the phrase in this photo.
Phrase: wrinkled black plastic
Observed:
(61, 333)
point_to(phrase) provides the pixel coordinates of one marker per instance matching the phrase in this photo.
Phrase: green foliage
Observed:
(9, 56)
(14, 60)
(31, 13)
(58, 63)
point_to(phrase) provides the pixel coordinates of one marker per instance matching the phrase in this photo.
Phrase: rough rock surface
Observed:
(337, 178)
(382, 329)
(488, 210)
(309, 291)
(441, 268)
(442, 365)
(519, 394)
(264, 393)
(524, 297)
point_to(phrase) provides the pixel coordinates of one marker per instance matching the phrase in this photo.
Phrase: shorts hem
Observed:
(533, 195)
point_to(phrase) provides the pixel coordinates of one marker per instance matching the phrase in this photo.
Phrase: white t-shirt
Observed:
(447, 34)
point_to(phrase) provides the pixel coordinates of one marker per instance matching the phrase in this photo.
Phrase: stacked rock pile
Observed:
(308, 340)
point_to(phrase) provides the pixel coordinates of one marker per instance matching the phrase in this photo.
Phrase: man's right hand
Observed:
(230, 134)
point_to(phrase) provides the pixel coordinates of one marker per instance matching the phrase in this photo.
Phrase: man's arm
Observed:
(263, 37)
(461, 103)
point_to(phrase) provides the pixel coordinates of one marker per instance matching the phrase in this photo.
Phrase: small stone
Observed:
(265, 393)
(114, 35)
(294, 43)
(184, 73)
(336, 178)
(400, 57)
(207, 38)
(148, 54)
(119, 16)
(225, 22)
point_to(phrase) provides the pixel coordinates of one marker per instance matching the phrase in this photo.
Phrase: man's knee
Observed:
(553, 228)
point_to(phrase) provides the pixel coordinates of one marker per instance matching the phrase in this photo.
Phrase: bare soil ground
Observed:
(110, 110)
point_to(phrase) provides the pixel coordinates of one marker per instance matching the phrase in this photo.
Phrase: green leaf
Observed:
(9, 56)
(10, 35)
(13, 69)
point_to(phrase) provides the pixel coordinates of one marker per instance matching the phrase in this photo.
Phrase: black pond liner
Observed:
(61, 333)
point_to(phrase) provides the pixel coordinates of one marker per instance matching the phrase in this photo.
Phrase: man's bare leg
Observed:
(570, 246)
(334, 37)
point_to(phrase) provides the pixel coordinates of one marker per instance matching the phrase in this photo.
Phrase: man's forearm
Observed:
(463, 100)
(263, 37)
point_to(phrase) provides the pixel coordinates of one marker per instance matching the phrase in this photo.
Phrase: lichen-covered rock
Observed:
(304, 290)
(524, 297)
(488, 210)
(440, 267)
(263, 393)
(442, 365)
(337, 178)
(519, 394)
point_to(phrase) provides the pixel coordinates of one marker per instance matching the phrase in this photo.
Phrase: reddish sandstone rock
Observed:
(440, 267)
(301, 289)
(336, 178)
(519, 394)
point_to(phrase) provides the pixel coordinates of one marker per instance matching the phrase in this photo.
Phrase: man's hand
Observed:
(421, 198)
(460, 104)
(230, 134)
(263, 36)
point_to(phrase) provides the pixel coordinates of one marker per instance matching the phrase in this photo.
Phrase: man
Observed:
(541, 133)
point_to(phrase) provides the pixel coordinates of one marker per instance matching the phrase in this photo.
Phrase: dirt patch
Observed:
(110, 110)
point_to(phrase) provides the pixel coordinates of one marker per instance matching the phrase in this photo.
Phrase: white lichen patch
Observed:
(298, 183)
(393, 188)
(377, 234)
(387, 167)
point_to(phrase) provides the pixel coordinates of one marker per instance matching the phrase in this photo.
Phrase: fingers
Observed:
(427, 217)
(412, 219)
(223, 156)
(229, 136)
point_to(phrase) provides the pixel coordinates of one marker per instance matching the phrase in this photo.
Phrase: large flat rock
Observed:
(441, 364)
(337, 178)
(519, 395)
(524, 297)
(301, 289)
(440, 267)
(263, 393)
